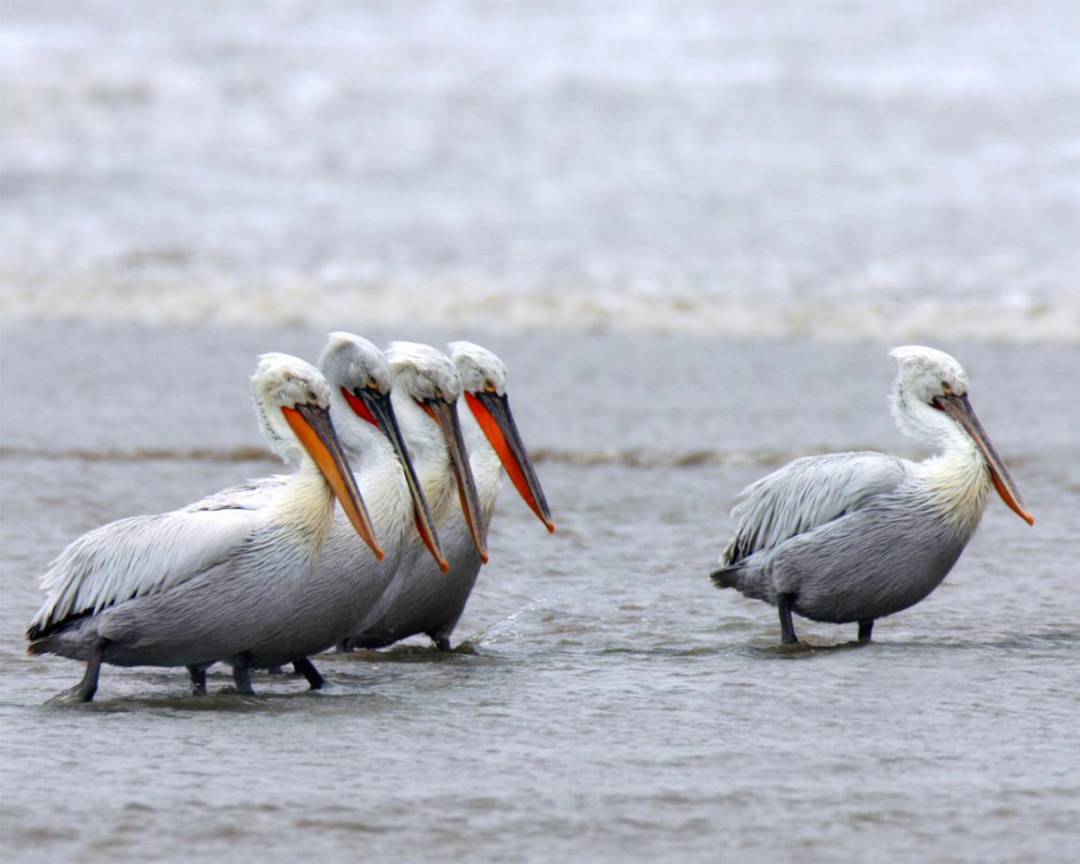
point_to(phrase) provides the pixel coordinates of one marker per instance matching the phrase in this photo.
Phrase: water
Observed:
(780, 169)
(692, 231)
(607, 703)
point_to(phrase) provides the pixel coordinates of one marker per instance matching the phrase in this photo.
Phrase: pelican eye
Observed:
(371, 383)
(489, 386)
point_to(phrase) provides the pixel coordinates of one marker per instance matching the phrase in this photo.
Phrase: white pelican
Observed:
(189, 588)
(494, 442)
(348, 579)
(852, 537)
(438, 452)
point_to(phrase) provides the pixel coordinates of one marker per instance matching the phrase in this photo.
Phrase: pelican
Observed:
(432, 429)
(348, 579)
(189, 588)
(426, 602)
(852, 537)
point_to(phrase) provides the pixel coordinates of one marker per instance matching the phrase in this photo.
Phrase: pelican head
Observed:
(293, 401)
(425, 373)
(349, 358)
(926, 373)
(427, 376)
(483, 380)
(930, 402)
(479, 369)
(360, 382)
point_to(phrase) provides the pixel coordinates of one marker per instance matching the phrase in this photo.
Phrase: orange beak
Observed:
(492, 412)
(312, 426)
(960, 410)
(445, 414)
(375, 407)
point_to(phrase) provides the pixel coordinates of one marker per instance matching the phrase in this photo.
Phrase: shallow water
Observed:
(606, 702)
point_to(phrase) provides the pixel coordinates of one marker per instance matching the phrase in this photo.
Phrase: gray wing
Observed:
(805, 494)
(252, 495)
(135, 557)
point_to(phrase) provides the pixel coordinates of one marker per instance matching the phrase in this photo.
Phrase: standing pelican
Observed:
(494, 444)
(348, 579)
(427, 602)
(189, 588)
(852, 537)
(426, 391)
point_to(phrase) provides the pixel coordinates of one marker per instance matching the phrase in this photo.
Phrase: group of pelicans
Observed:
(271, 572)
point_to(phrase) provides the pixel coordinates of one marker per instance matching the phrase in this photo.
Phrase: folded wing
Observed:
(136, 557)
(805, 494)
(251, 495)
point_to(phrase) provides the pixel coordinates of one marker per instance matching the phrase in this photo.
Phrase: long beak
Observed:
(312, 426)
(960, 410)
(492, 412)
(445, 414)
(380, 408)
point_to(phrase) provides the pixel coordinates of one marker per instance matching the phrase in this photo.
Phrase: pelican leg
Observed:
(784, 602)
(84, 691)
(865, 629)
(441, 642)
(198, 680)
(305, 667)
(242, 675)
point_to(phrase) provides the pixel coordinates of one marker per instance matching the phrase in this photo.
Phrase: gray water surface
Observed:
(606, 703)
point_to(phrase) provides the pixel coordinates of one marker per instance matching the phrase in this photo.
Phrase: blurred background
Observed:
(838, 169)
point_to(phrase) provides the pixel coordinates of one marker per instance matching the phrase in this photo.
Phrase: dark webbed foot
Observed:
(784, 602)
(441, 642)
(305, 667)
(198, 680)
(866, 628)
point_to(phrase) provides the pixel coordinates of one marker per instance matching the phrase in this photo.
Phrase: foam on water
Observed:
(768, 170)
(1012, 319)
